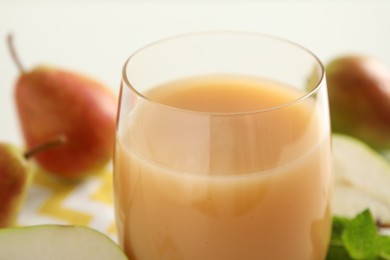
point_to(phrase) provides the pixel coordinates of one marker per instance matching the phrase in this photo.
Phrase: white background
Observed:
(96, 37)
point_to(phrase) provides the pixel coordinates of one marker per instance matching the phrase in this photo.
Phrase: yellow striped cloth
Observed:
(87, 203)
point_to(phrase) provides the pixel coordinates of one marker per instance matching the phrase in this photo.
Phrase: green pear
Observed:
(48, 242)
(15, 175)
(359, 99)
(362, 179)
(52, 101)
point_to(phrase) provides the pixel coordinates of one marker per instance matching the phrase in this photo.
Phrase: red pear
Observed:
(51, 102)
(359, 99)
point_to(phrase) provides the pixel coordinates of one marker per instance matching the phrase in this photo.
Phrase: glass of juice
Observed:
(223, 150)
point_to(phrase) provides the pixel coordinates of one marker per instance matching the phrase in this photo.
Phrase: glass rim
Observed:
(307, 94)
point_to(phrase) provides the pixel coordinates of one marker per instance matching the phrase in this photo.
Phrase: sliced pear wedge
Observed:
(48, 242)
(362, 179)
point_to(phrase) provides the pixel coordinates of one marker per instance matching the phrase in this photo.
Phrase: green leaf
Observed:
(338, 226)
(357, 239)
(360, 237)
(337, 252)
(384, 244)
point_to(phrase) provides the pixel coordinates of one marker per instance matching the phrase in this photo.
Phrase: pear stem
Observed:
(60, 140)
(383, 225)
(14, 55)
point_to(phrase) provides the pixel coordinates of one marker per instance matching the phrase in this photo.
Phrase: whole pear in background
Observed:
(15, 175)
(51, 102)
(359, 99)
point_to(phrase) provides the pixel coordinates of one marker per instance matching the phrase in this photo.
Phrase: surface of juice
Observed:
(213, 178)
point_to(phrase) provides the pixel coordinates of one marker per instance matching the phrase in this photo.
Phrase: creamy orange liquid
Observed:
(191, 186)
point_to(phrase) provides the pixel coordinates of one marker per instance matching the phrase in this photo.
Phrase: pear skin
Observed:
(359, 99)
(15, 175)
(52, 102)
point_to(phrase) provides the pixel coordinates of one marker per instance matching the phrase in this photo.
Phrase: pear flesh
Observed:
(362, 179)
(14, 179)
(48, 242)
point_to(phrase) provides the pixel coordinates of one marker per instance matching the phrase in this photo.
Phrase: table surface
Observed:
(96, 37)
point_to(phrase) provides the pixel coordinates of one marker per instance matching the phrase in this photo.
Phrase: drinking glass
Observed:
(223, 150)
